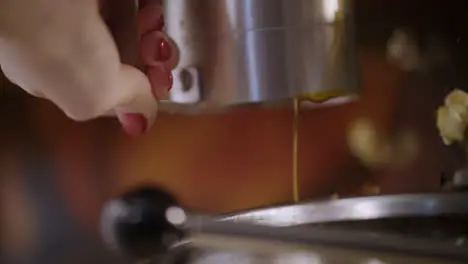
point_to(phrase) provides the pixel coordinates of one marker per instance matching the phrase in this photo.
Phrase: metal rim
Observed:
(356, 209)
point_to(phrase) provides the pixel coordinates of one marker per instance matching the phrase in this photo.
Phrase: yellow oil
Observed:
(323, 96)
(295, 144)
(316, 98)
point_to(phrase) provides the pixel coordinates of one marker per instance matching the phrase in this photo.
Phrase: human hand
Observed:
(62, 50)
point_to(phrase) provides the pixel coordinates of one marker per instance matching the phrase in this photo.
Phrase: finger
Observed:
(161, 81)
(133, 124)
(157, 49)
(175, 54)
(137, 111)
(150, 18)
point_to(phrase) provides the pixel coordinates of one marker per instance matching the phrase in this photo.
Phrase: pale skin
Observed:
(61, 50)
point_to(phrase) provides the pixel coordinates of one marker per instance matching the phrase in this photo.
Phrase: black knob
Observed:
(143, 223)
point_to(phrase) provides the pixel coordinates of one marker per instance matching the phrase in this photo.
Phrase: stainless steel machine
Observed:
(260, 51)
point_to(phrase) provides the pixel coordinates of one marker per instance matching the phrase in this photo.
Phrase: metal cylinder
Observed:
(235, 52)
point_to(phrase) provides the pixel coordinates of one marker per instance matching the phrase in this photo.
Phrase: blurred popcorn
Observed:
(377, 149)
(452, 117)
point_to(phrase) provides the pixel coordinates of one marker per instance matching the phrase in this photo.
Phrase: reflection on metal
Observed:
(282, 253)
(227, 235)
(330, 10)
(302, 257)
(258, 51)
(357, 209)
(108, 233)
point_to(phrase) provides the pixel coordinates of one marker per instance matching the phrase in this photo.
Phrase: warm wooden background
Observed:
(56, 173)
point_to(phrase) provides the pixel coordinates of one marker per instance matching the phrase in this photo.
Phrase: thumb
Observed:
(137, 107)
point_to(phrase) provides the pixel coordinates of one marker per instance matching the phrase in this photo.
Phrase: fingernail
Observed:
(133, 124)
(161, 81)
(163, 51)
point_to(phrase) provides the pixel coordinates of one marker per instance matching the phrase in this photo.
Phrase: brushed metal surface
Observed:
(256, 51)
(311, 237)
